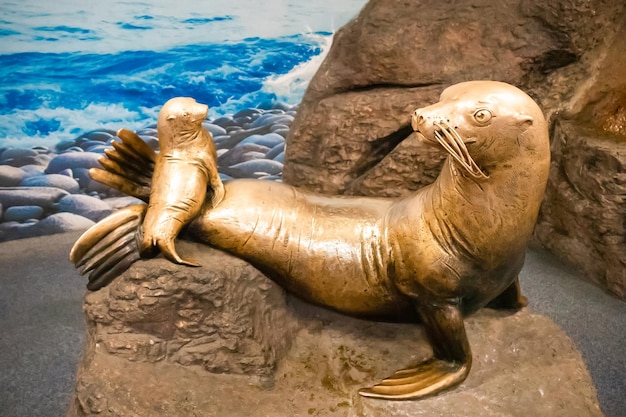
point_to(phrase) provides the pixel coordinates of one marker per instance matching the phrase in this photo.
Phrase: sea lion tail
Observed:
(168, 249)
(109, 247)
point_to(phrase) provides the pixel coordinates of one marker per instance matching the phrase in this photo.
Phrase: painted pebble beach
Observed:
(45, 191)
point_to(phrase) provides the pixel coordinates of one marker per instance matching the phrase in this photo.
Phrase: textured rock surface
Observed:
(570, 55)
(161, 337)
(584, 213)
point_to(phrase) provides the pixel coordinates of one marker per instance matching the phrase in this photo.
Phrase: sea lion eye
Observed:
(482, 116)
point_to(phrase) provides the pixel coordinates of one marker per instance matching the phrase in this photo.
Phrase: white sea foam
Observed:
(71, 122)
(290, 87)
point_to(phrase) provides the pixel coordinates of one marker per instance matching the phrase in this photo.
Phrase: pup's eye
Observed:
(482, 116)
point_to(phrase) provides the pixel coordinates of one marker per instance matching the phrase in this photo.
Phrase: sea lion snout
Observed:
(424, 124)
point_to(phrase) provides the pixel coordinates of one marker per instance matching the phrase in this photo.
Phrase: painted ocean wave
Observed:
(69, 66)
(49, 97)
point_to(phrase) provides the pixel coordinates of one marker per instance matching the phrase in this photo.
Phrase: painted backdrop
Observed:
(71, 66)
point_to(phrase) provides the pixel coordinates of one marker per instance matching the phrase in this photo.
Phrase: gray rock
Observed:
(85, 145)
(97, 187)
(42, 150)
(11, 176)
(236, 155)
(45, 197)
(275, 151)
(18, 157)
(33, 170)
(280, 158)
(99, 135)
(17, 153)
(53, 224)
(73, 160)
(97, 148)
(206, 333)
(270, 119)
(53, 180)
(82, 176)
(60, 223)
(22, 213)
(116, 203)
(239, 136)
(148, 132)
(64, 144)
(270, 140)
(67, 172)
(278, 126)
(271, 178)
(224, 121)
(214, 129)
(282, 132)
(248, 113)
(255, 168)
(73, 149)
(86, 206)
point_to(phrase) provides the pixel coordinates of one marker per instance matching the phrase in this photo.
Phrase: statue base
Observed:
(223, 340)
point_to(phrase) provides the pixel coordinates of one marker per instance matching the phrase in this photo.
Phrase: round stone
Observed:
(22, 213)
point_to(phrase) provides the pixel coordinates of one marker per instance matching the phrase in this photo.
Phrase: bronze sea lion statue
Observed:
(435, 256)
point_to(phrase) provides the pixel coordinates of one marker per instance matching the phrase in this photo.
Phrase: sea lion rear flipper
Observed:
(449, 366)
(128, 167)
(109, 247)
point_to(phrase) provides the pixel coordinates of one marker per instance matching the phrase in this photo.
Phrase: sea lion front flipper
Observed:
(510, 299)
(109, 247)
(449, 367)
(128, 167)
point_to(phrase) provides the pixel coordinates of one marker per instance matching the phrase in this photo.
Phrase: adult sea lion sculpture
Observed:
(443, 252)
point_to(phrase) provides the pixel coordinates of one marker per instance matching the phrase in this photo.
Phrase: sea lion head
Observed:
(482, 124)
(180, 121)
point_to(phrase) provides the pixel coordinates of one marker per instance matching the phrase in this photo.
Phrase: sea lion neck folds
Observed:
(440, 253)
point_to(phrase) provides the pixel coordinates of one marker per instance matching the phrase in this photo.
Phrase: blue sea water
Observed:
(70, 66)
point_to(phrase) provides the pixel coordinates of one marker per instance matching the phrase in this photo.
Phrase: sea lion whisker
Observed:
(475, 169)
(452, 146)
(441, 138)
(451, 140)
(458, 140)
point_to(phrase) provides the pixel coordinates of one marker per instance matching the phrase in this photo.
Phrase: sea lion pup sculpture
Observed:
(443, 252)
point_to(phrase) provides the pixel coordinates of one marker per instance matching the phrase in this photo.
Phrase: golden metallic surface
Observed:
(185, 166)
(439, 254)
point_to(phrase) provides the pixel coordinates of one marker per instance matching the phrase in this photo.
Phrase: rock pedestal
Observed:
(223, 340)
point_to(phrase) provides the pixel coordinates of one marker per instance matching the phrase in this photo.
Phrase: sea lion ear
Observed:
(171, 117)
(524, 119)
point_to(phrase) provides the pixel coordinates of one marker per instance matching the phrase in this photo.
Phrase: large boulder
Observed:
(223, 340)
(396, 56)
